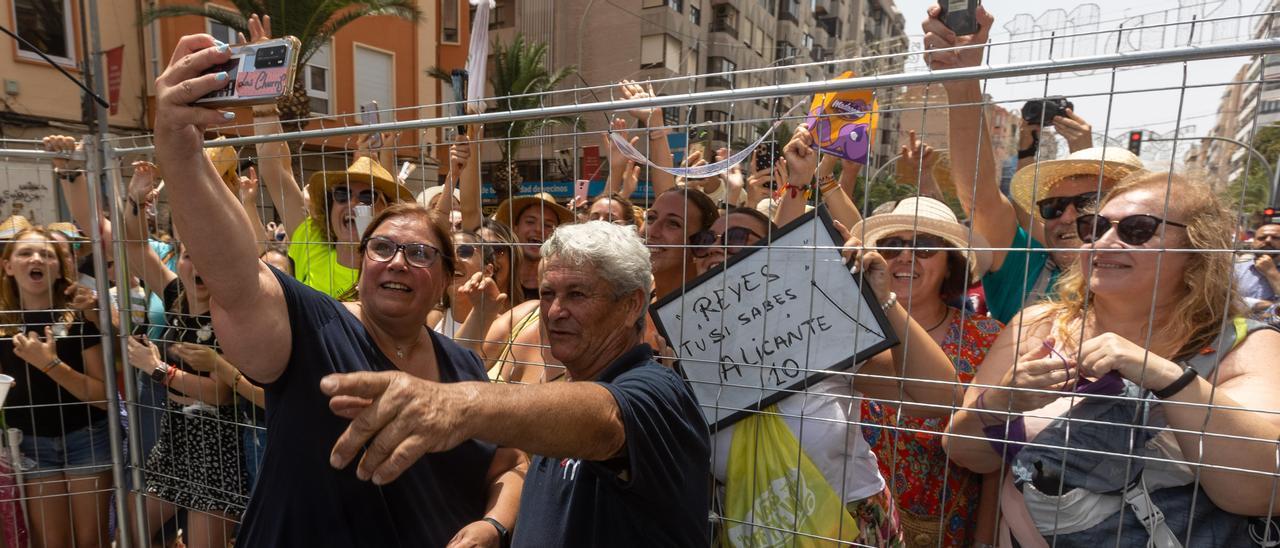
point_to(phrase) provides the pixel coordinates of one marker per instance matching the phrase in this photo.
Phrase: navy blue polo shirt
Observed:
(657, 493)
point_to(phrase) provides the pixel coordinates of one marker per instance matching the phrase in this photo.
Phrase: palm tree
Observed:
(518, 75)
(313, 22)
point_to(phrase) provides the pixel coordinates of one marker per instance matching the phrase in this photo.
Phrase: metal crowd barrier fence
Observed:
(330, 149)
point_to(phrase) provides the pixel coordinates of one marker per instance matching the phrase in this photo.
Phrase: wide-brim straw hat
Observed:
(511, 208)
(70, 230)
(12, 226)
(1036, 181)
(227, 163)
(424, 198)
(928, 216)
(364, 170)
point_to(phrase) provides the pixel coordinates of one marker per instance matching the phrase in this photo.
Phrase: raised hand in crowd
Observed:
(464, 160)
(1077, 131)
(733, 181)
(796, 168)
(619, 166)
(915, 163)
(659, 149)
(70, 176)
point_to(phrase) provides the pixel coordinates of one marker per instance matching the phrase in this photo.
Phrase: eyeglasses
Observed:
(892, 247)
(1052, 208)
(464, 251)
(1132, 230)
(733, 238)
(342, 195)
(416, 254)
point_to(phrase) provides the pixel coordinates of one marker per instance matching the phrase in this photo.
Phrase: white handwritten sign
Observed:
(775, 319)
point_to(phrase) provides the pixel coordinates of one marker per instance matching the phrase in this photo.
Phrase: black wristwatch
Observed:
(504, 535)
(160, 373)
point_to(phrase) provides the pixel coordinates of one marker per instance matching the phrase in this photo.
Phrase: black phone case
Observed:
(964, 21)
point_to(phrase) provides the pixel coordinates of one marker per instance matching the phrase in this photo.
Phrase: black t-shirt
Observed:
(300, 500)
(662, 498)
(182, 327)
(36, 404)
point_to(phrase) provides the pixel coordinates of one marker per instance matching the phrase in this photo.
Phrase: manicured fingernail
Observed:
(228, 115)
(222, 48)
(220, 76)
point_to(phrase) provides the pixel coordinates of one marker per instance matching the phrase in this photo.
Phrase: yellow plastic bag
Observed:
(774, 495)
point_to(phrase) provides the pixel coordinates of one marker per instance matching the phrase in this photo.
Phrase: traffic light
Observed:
(1135, 142)
(1269, 212)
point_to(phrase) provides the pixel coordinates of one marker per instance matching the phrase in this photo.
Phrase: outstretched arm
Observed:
(247, 301)
(973, 165)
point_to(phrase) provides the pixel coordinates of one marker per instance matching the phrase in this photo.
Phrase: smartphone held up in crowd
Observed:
(961, 16)
(259, 74)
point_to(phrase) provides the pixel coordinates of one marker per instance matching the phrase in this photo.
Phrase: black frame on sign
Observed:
(890, 338)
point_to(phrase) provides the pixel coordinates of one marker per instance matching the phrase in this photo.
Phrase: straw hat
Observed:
(363, 170)
(227, 162)
(1038, 179)
(12, 226)
(70, 230)
(928, 216)
(511, 208)
(424, 198)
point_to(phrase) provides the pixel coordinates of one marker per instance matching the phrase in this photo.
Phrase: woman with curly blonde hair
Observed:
(1139, 402)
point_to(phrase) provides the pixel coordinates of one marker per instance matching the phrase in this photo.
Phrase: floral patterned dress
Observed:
(914, 463)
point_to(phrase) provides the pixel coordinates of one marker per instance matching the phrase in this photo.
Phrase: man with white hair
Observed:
(621, 451)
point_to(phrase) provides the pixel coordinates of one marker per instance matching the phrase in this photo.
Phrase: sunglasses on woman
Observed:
(1132, 230)
(342, 195)
(1052, 208)
(892, 247)
(416, 254)
(733, 238)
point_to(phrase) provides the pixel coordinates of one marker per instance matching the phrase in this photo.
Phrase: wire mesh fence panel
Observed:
(908, 310)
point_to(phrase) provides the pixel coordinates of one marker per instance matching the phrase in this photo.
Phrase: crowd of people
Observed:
(403, 370)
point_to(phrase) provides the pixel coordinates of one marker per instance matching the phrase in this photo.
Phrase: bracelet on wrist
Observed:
(888, 303)
(1177, 385)
(170, 375)
(56, 361)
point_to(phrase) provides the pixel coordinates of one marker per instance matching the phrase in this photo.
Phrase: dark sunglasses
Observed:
(892, 247)
(1132, 230)
(416, 254)
(1052, 208)
(733, 238)
(464, 251)
(342, 195)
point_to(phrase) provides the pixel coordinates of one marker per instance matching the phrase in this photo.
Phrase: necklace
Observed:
(945, 314)
(401, 351)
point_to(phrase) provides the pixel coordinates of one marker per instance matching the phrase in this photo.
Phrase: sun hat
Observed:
(12, 226)
(928, 216)
(363, 170)
(511, 208)
(70, 230)
(424, 198)
(1038, 179)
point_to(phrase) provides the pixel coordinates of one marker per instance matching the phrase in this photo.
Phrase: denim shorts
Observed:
(82, 452)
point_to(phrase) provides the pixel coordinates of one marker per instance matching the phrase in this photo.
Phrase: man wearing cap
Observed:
(1050, 194)
(324, 228)
(531, 219)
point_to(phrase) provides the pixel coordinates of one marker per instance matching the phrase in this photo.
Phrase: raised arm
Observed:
(796, 169)
(973, 165)
(659, 148)
(71, 180)
(469, 180)
(248, 304)
(143, 261)
(838, 202)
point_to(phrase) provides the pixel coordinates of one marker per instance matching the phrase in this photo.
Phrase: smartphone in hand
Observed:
(961, 16)
(368, 117)
(259, 74)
